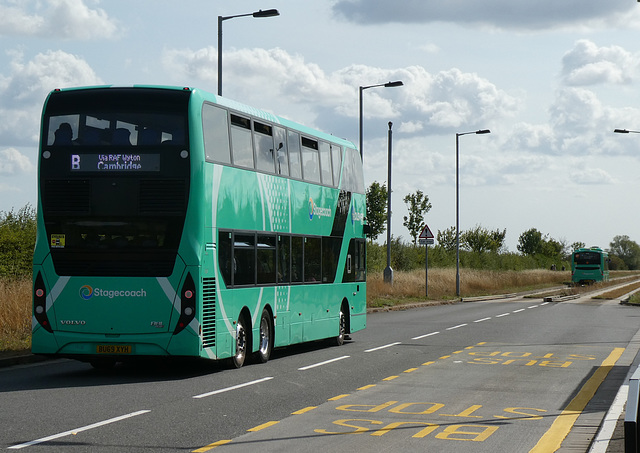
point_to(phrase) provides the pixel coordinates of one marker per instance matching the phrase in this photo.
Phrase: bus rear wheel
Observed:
(241, 343)
(266, 337)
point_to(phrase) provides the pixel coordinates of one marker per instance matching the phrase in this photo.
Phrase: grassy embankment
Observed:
(408, 287)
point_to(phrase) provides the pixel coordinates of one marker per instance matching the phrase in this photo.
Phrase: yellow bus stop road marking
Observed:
(552, 439)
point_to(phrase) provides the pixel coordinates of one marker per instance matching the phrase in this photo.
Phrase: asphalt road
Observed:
(496, 376)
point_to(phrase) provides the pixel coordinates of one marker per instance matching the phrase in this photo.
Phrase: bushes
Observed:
(407, 257)
(17, 241)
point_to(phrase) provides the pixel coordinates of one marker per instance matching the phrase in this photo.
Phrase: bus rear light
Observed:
(187, 304)
(40, 303)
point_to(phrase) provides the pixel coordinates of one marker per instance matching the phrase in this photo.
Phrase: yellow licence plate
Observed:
(113, 349)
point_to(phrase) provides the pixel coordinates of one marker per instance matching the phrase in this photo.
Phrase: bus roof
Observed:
(231, 104)
(590, 249)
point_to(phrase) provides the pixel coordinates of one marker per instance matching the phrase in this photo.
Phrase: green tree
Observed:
(447, 239)
(497, 240)
(418, 205)
(577, 245)
(616, 263)
(628, 250)
(480, 240)
(376, 209)
(552, 248)
(530, 242)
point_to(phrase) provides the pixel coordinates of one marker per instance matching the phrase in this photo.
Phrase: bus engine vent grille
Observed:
(163, 196)
(67, 196)
(208, 312)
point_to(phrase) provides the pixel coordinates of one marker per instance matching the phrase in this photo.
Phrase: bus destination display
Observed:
(112, 162)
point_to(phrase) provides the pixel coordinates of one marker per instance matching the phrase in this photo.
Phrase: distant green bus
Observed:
(589, 265)
(173, 222)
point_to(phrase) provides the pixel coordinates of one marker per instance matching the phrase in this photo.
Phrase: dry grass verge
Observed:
(619, 292)
(410, 286)
(15, 314)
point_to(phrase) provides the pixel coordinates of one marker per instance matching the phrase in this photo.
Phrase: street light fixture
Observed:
(397, 83)
(479, 132)
(625, 131)
(260, 13)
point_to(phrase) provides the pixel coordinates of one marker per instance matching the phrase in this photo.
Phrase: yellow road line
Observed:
(304, 411)
(211, 446)
(263, 426)
(552, 439)
(335, 398)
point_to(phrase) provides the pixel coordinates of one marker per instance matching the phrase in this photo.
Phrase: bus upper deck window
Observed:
(63, 130)
(63, 135)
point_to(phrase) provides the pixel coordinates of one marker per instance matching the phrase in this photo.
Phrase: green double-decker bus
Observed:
(173, 222)
(589, 265)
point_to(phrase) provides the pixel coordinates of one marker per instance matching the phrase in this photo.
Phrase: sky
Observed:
(551, 80)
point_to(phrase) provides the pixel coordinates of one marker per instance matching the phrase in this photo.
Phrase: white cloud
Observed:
(588, 64)
(454, 98)
(445, 100)
(24, 89)
(533, 137)
(429, 48)
(12, 162)
(411, 127)
(53, 69)
(575, 109)
(591, 176)
(14, 20)
(67, 19)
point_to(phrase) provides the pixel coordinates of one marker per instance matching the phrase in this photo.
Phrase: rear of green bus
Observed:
(114, 268)
(589, 265)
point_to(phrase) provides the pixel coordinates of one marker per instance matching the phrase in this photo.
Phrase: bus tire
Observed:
(242, 343)
(266, 337)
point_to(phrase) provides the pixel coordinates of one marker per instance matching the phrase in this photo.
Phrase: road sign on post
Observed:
(426, 233)
(426, 238)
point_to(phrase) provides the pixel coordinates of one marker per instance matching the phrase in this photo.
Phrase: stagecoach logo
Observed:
(356, 216)
(317, 211)
(87, 292)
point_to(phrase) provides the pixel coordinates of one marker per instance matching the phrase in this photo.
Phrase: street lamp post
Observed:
(388, 271)
(482, 131)
(260, 13)
(397, 83)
